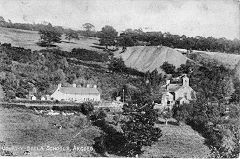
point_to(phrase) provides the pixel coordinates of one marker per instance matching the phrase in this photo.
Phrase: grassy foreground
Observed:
(22, 129)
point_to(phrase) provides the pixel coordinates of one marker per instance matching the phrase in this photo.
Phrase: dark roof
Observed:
(173, 87)
(78, 90)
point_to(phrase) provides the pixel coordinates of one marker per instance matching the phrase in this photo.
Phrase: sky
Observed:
(217, 18)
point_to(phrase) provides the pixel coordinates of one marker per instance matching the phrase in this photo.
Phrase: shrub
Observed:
(168, 68)
(87, 108)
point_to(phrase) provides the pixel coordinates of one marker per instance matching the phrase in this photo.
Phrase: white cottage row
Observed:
(76, 94)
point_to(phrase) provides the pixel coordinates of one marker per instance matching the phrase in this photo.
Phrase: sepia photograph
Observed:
(120, 78)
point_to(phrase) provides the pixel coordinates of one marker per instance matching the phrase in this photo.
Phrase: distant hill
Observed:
(148, 58)
(228, 60)
(28, 39)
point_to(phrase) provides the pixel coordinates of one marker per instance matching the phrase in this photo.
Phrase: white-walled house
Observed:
(76, 94)
(32, 97)
(177, 92)
(45, 97)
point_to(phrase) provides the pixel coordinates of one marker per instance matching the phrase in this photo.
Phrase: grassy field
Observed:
(28, 39)
(178, 142)
(22, 129)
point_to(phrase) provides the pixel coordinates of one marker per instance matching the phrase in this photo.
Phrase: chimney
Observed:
(74, 85)
(59, 85)
(95, 86)
(88, 85)
(167, 82)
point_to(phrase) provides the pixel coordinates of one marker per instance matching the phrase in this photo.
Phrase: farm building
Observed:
(177, 91)
(33, 97)
(45, 97)
(76, 94)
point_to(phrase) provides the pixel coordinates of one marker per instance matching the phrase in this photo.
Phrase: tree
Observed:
(49, 35)
(58, 76)
(137, 130)
(108, 36)
(125, 40)
(167, 114)
(71, 34)
(213, 81)
(185, 68)
(117, 65)
(2, 21)
(181, 113)
(88, 28)
(168, 68)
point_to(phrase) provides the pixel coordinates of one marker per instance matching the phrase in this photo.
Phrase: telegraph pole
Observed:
(123, 95)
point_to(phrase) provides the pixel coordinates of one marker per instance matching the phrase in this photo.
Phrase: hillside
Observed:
(21, 128)
(228, 60)
(148, 58)
(237, 70)
(28, 39)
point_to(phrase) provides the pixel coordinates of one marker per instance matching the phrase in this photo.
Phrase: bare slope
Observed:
(28, 39)
(148, 58)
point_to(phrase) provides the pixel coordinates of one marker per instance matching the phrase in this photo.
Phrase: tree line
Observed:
(130, 37)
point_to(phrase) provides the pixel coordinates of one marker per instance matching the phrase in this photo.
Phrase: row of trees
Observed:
(50, 35)
(88, 28)
(109, 37)
(137, 37)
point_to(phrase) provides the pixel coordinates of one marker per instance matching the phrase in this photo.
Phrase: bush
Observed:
(87, 108)
(168, 68)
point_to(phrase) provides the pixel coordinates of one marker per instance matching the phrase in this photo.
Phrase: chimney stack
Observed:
(167, 82)
(59, 85)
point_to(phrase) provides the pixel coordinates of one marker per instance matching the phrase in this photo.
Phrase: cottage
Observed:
(76, 94)
(177, 91)
(33, 97)
(45, 97)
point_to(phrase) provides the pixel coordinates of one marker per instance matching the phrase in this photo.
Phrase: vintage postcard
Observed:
(120, 78)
